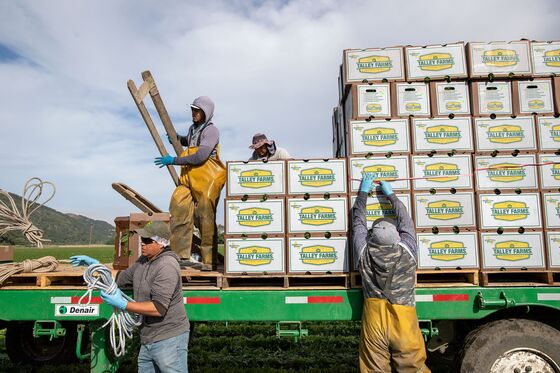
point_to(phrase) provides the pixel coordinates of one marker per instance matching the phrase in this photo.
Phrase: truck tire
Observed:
(23, 348)
(511, 345)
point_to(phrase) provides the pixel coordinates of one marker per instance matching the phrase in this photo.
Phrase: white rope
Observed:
(12, 219)
(41, 265)
(122, 323)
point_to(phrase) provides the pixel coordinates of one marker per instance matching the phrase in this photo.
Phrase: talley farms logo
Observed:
(442, 134)
(440, 172)
(444, 210)
(317, 254)
(255, 179)
(554, 202)
(453, 106)
(554, 131)
(500, 57)
(446, 250)
(315, 177)
(495, 106)
(253, 217)
(317, 215)
(555, 171)
(373, 64)
(552, 58)
(435, 61)
(253, 255)
(379, 136)
(505, 134)
(379, 210)
(380, 171)
(413, 106)
(373, 108)
(536, 104)
(511, 250)
(510, 210)
(504, 172)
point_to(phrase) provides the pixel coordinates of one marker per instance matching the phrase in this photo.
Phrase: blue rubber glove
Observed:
(367, 183)
(163, 161)
(82, 260)
(386, 188)
(116, 300)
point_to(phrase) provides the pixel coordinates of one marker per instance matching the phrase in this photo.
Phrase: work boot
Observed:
(206, 252)
(186, 263)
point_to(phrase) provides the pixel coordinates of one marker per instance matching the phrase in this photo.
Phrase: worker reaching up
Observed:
(390, 335)
(202, 178)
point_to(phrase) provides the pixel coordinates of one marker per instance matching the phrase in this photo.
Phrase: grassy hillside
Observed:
(62, 228)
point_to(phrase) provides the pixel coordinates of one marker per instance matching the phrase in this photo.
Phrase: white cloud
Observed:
(270, 66)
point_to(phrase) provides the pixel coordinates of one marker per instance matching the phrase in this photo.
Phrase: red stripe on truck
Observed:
(203, 300)
(451, 297)
(324, 299)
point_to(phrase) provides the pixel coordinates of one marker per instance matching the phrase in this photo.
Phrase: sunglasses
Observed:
(146, 241)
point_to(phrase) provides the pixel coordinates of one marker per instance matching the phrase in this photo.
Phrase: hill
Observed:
(62, 228)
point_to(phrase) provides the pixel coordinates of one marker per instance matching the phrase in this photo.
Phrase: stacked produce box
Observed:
(463, 128)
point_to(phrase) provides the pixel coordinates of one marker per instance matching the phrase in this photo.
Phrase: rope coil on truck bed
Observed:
(44, 264)
(122, 323)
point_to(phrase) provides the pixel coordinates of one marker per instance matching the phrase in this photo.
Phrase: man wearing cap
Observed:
(265, 149)
(156, 281)
(390, 335)
(203, 176)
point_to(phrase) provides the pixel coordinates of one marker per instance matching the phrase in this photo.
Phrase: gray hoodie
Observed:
(159, 281)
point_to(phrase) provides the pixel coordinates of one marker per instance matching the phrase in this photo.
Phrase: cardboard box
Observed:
(505, 172)
(254, 255)
(379, 137)
(442, 135)
(504, 134)
(317, 176)
(6, 254)
(410, 99)
(549, 133)
(254, 217)
(491, 98)
(447, 250)
(509, 211)
(317, 215)
(373, 65)
(512, 250)
(532, 97)
(545, 56)
(318, 255)
(256, 178)
(501, 59)
(549, 173)
(444, 210)
(379, 206)
(436, 62)
(553, 245)
(450, 98)
(442, 172)
(551, 202)
(382, 168)
(368, 100)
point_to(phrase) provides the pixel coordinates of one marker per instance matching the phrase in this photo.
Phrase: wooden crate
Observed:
(516, 278)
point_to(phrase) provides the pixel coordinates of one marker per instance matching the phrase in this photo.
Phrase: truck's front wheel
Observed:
(511, 345)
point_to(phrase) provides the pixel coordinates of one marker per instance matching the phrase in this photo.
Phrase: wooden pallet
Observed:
(555, 277)
(355, 280)
(516, 277)
(201, 280)
(254, 282)
(446, 278)
(64, 276)
(318, 281)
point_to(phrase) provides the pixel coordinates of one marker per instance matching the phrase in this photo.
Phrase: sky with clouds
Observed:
(270, 66)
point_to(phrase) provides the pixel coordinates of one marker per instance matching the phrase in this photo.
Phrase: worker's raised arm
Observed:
(209, 139)
(359, 222)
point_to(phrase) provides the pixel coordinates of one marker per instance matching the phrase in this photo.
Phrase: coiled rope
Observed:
(122, 323)
(44, 264)
(12, 219)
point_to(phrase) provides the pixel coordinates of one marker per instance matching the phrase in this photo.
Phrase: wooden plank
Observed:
(516, 278)
(447, 278)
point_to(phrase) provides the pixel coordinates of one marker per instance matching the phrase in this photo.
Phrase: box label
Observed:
(550, 173)
(546, 58)
(444, 210)
(442, 134)
(505, 134)
(317, 176)
(254, 217)
(447, 250)
(506, 172)
(412, 99)
(379, 206)
(436, 61)
(317, 215)
(553, 240)
(254, 255)
(549, 133)
(552, 210)
(381, 168)
(374, 64)
(374, 100)
(494, 98)
(510, 211)
(452, 98)
(318, 255)
(255, 178)
(535, 97)
(512, 250)
(380, 136)
(499, 58)
(442, 172)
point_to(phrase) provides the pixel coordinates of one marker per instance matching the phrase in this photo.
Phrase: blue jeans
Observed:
(168, 355)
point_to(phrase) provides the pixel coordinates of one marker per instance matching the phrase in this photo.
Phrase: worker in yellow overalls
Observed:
(202, 178)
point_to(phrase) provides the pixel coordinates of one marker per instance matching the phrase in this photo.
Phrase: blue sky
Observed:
(271, 66)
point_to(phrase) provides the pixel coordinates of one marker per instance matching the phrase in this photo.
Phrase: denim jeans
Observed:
(168, 355)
